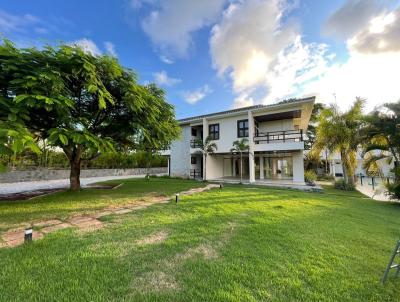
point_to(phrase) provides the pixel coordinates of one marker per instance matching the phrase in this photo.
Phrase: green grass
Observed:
(236, 244)
(63, 204)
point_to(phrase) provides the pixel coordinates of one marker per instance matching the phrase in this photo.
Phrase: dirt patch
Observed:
(156, 282)
(28, 194)
(204, 250)
(153, 238)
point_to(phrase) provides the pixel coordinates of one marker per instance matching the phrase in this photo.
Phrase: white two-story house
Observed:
(275, 135)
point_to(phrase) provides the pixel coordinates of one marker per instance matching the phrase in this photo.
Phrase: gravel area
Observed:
(26, 186)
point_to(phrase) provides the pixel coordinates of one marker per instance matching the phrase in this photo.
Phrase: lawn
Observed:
(63, 204)
(238, 243)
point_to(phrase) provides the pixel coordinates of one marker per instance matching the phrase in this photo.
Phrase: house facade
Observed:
(275, 135)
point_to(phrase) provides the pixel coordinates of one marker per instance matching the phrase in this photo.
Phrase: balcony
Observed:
(194, 144)
(278, 136)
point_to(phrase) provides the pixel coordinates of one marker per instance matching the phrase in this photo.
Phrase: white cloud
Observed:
(9, 22)
(263, 51)
(172, 22)
(88, 46)
(162, 79)
(382, 34)
(110, 48)
(351, 17)
(192, 97)
(166, 60)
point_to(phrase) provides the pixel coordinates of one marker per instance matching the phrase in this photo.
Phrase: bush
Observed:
(310, 177)
(58, 160)
(341, 184)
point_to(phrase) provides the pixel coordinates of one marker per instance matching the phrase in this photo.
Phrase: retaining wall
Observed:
(47, 174)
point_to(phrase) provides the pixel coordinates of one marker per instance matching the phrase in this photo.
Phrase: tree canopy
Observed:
(81, 103)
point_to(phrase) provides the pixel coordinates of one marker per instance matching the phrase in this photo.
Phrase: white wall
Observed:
(280, 125)
(227, 131)
(215, 166)
(298, 166)
(180, 154)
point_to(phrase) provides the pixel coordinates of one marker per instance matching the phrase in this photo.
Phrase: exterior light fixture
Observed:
(28, 234)
(221, 185)
(176, 197)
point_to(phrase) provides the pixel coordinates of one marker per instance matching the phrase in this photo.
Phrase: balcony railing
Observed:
(279, 136)
(195, 173)
(194, 144)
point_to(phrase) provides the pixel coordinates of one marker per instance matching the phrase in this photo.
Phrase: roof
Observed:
(244, 109)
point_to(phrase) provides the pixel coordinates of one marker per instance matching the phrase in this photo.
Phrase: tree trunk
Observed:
(74, 177)
(344, 167)
(75, 156)
(241, 168)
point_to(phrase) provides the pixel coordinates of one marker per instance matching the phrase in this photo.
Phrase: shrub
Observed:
(310, 177)
(341, 184)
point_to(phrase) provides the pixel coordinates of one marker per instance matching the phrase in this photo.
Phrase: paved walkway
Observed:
(378, 193)
(18, 187)
(85, 223)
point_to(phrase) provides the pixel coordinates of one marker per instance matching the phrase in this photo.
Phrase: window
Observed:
(193, 160)
(243, 128)
(213, 131)
(194, 132)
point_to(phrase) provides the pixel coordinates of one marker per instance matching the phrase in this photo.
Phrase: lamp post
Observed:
(176, 197)
(28, 234)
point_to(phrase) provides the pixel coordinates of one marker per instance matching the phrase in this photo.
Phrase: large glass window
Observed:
(213, 131)
(243, 128)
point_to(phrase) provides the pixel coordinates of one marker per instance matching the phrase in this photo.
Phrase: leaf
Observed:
(21, 97)
(63, 139)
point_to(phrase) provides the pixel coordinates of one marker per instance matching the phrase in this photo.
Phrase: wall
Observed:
(298, 166)
(279, 125)
(215, 167)
(227, 132)
(45, 174)
(180, 154)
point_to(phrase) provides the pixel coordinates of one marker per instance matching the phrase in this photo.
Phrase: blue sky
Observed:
(218, 54)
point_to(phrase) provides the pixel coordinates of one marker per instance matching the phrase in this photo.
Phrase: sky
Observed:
(214, 55)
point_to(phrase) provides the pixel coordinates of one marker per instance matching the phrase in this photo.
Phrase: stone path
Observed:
(85, 223)
(25, 186)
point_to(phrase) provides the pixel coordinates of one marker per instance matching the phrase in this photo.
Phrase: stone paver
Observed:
(54, 228)
(45, 223)
(15, 237)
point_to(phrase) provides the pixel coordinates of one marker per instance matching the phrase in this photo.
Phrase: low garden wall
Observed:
(48, 174)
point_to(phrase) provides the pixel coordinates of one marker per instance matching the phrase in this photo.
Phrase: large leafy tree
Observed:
(341, 132)
(83, 104)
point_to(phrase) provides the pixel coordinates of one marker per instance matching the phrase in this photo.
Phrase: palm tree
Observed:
(240, 147)
(383, 138)
(341, 132)
(206, 147)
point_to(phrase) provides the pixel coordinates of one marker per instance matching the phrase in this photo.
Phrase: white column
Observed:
(234, 167)
(252, 174)
(261, 167)
(298, 166)
(205, 134)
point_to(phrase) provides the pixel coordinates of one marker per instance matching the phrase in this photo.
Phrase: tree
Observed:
(341, 132)
(240, 146)
(383, 141)
(84, 104)
(206, 147)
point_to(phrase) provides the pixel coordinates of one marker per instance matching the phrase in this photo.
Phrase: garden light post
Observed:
(28, 235)
(176, 198)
